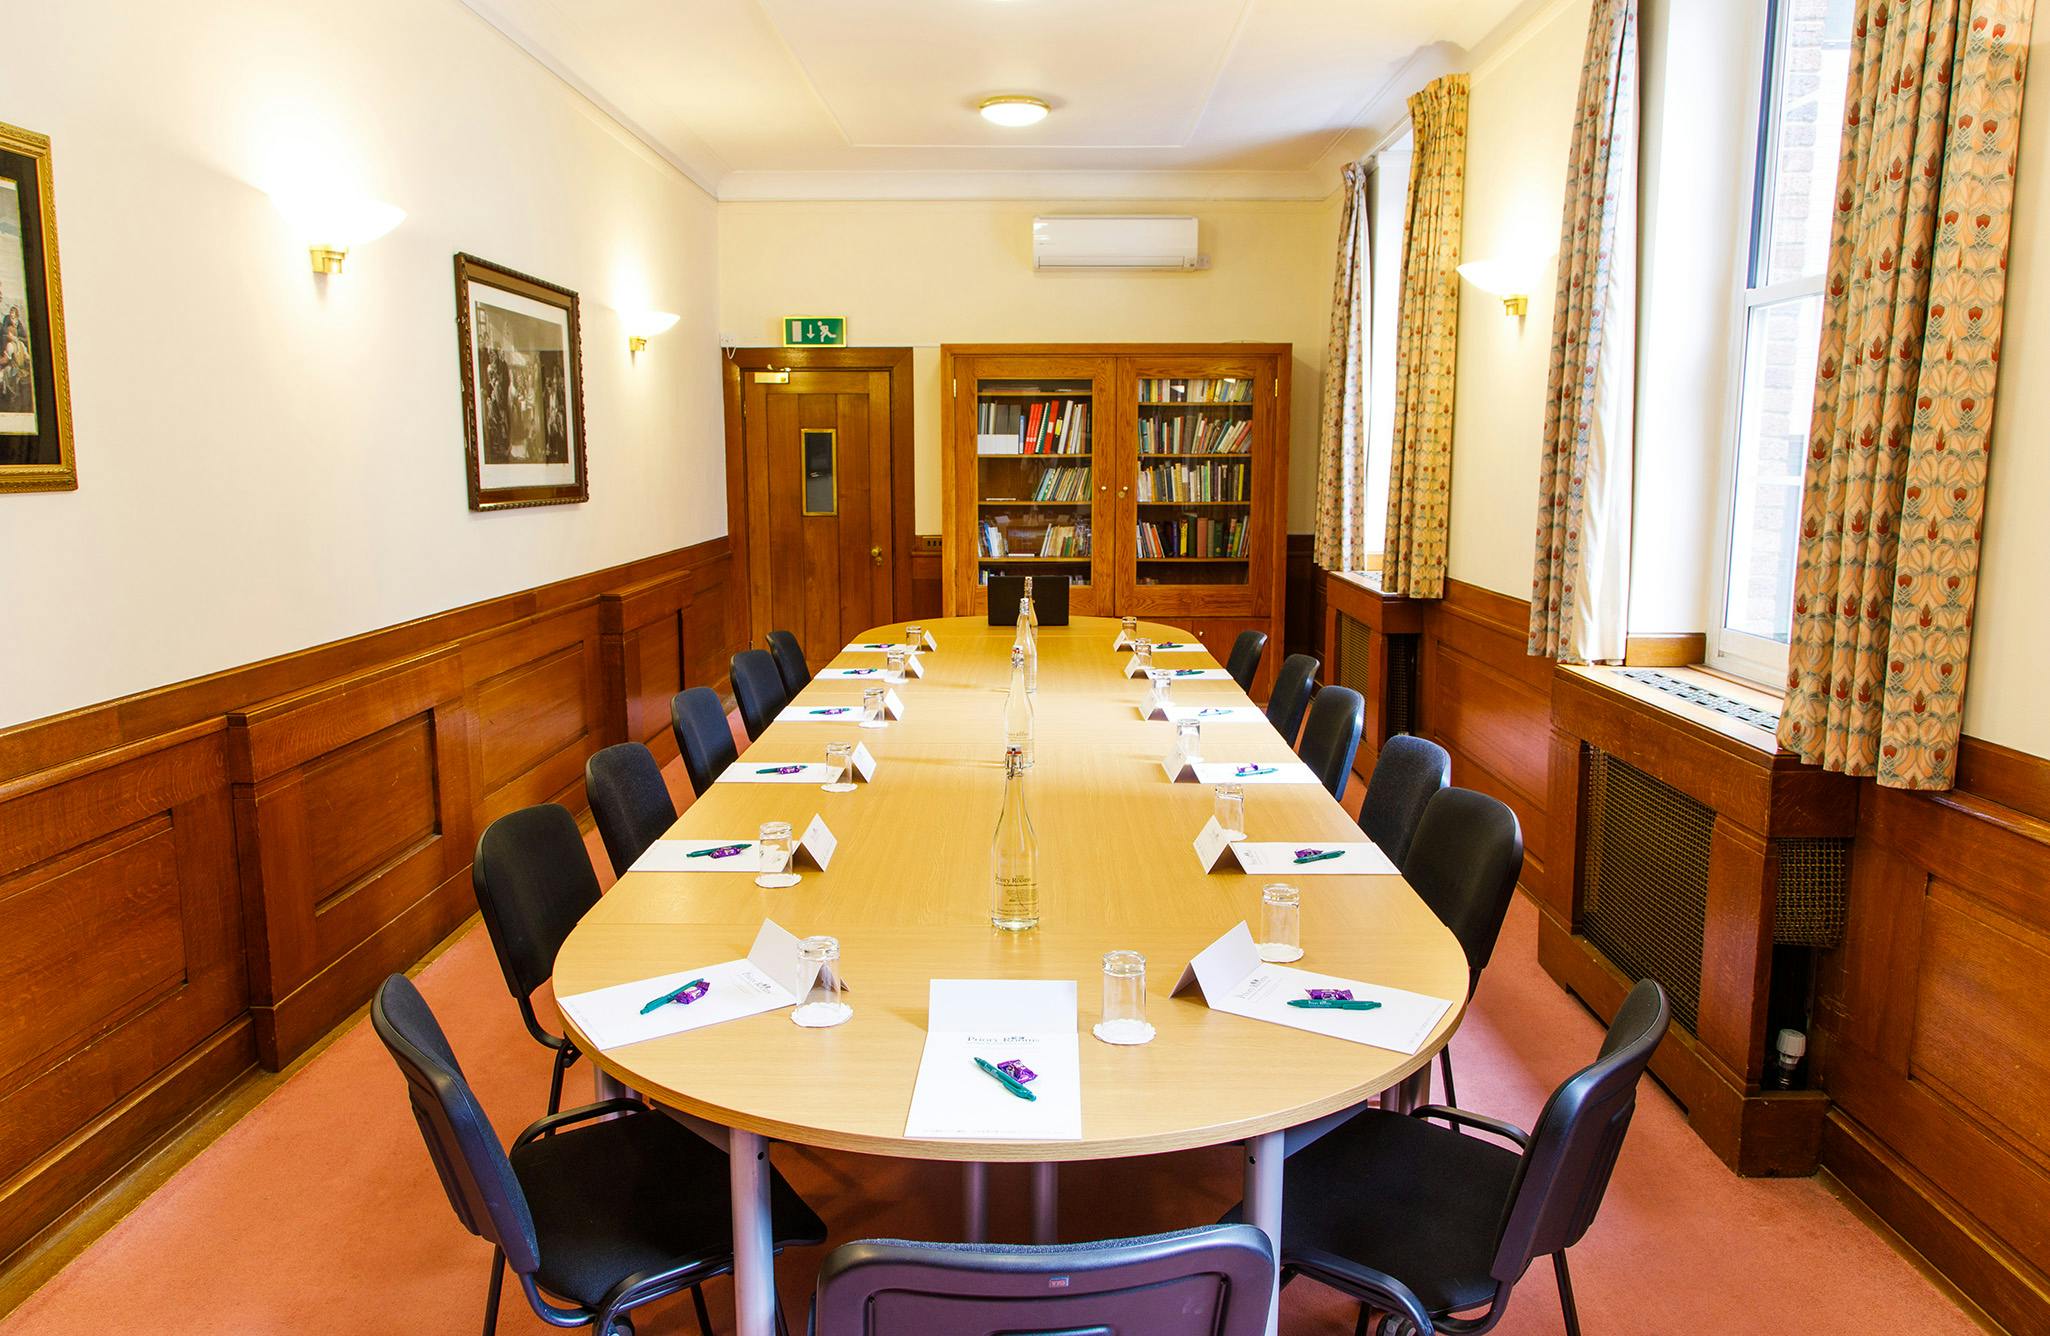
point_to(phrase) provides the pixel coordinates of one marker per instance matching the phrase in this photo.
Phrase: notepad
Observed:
(1184, 771)
(1203, 714)
(1029, 1021)
(749, 771)
(844, 674)
(1233, 979)
(773, 974)
(1132, 669)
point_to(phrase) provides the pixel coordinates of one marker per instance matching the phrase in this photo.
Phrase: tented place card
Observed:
(1203, 714)
(926, 642)
(1182, 770)
(1233, 979)
(1002, 1062)
(816, 844)
(893, 705)
(865, 762)
(773, 974)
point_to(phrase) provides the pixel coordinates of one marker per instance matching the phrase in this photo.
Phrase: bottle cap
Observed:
(1792, 1043)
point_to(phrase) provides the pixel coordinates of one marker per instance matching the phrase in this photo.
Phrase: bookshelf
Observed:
(1153, 475)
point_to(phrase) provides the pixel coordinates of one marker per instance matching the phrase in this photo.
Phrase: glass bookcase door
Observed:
(1195, 487)
(1038, 479)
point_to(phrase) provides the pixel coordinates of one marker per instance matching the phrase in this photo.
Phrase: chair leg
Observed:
(564, 1056)
(1445, 1070)
(697, 1301)
(491, 1297)
(1359, 1328)
(1566, 1293)
(782, 1326)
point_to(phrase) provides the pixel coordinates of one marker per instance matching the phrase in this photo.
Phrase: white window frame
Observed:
(1740, 654)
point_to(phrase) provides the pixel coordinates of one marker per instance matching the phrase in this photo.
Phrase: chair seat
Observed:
(1412, 1199)
(637, 1194)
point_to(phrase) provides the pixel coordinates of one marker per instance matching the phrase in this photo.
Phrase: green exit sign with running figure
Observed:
(814, 331)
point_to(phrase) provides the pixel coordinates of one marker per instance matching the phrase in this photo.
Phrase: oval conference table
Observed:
(908, 897)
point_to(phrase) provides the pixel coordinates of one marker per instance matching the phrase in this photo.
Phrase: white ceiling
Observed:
(876, 98)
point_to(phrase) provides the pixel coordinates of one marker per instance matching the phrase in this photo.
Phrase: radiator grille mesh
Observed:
(1645, 898)
(1814, 889)
(1355, 642)
(1401, 683)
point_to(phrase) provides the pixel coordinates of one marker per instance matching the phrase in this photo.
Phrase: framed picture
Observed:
(35, 382)
(523, 388)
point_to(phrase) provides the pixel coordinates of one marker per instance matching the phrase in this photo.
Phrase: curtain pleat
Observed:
(1580, 579)
(1895, 479)
(1420, 466)
(1341, 535)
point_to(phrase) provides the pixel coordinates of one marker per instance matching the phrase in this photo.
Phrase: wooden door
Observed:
(820, 557)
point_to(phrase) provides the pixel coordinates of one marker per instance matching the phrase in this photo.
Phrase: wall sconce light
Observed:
(1509, 278)
(332, 223)
(644, 325)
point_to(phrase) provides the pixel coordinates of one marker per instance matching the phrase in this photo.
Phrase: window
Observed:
(1779, 323)
(1387, 190)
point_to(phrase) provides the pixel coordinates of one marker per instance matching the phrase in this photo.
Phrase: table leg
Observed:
(754, 1253)
(974, 1202)
(1046, 1202)
(1412, 1092)
(604, 1087)
(1265, 1162)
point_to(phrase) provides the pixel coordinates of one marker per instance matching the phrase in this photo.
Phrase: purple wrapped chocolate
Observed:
(1329, 994)
(692, 991)
(1018, 1072)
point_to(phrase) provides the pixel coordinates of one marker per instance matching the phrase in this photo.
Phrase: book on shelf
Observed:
(1205, 481)
(1063, 482)
(1064, 538)
(1193, 536)
(1052, 426)
(1200, 390)
(1191, 434)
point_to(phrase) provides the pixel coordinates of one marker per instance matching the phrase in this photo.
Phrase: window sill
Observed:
(1747, 735)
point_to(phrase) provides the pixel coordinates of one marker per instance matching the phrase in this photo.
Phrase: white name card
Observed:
(865, 762)
(930, 643)
(816, 845)
(893, 705)
(1213, 842)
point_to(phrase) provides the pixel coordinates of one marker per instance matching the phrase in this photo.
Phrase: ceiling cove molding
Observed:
(1021, 185)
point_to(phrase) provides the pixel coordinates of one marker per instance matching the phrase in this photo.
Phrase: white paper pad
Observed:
(1260, 772)
(675, 856)
(772, 975)
(875, 647)
(1233, 979)
(839, 674)
(1132, 669)
(1204, 714)
(747, 771)
(820, 714)
(1355, 858)
(1179, 647)
(1031, 1020)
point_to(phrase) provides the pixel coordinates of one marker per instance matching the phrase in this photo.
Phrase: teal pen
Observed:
(779, 770)
(722, 851)
(1015, 1087)
(687, 994)
(1250, 771)
(1332, 1004)
(1318, 858)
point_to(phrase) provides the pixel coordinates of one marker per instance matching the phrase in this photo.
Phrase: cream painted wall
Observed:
(267, 463)
(923, 274)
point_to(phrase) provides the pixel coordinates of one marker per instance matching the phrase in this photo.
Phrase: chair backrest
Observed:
(1464, 862)
(758, 686)
(534, 880)
(1244, 663)
(1214, 1281)
(474, 1171)
(1407, 775)
(1291, 695)
(1565, 1170)
(1332, 736)
(704, 737)
(630, 799)
(790, 664)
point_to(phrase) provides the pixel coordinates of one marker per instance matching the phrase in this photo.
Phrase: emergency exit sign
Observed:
(814, 331)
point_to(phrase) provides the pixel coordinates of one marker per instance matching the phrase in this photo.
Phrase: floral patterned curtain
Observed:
(1888, 562)
(1420, 469)
(1580, 582)
(1341, 541)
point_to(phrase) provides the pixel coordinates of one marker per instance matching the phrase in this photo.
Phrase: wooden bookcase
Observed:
(1154, 476)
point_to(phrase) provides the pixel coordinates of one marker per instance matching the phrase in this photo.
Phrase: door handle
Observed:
(875, 554)
(1123, 490)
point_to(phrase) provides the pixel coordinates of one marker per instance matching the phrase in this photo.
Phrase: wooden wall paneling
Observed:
(535, 693)
(1304, 600)
(642, 648)
(121, 941)
(928, 578)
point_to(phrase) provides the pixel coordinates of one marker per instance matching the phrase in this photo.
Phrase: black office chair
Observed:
(1332, 736)
(698, 719)
(790, 665)
(1215, 1281)
(1244, 663)
(1291, 696)
(630, 799)
(533, 880)
(1463, 863)
(1420, 1222)
(1407, 775)
(758, 686)
(606, 1215)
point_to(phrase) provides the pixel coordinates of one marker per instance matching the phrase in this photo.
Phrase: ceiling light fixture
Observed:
(1013, 110)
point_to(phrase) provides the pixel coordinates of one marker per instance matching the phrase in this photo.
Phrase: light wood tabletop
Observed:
(908, 897)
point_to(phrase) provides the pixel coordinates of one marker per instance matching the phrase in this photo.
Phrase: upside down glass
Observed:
(1188, 741)
(893, 666)
(777, 849)
(1281, 923)
(840, 755)
(1142, 654)
(1231, 809)
(825, 1003)
(872, 708)
(914, 636)
(1163, 682)
(1128, 629)
(1124, 999)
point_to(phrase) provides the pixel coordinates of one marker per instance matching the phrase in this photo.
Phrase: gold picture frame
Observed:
(35, 376)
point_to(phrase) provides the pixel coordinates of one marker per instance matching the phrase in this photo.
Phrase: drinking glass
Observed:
(1231, 809)
(872, 708)
(778, 848)
(914, 636)
(1188, 740)
(1142, 654)
(1281, 923)
(1128, 629)
(893, 666)
(825, 1004)
(840, 755)
(1163, 681)
(1124, 999)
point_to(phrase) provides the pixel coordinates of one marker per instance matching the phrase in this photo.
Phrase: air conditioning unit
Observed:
(1114, 241)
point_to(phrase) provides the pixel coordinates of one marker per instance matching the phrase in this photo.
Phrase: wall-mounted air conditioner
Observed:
(1115, 241)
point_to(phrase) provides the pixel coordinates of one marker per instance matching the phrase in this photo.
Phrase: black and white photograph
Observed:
(35, 418)
(522, 388)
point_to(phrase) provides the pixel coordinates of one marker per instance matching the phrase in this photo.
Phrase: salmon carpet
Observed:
(319, 1212)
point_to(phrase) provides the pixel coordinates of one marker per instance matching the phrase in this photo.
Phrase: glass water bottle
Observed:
(1014, 856)
(1031, 608)
(1028, 640)
(1018, 724)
